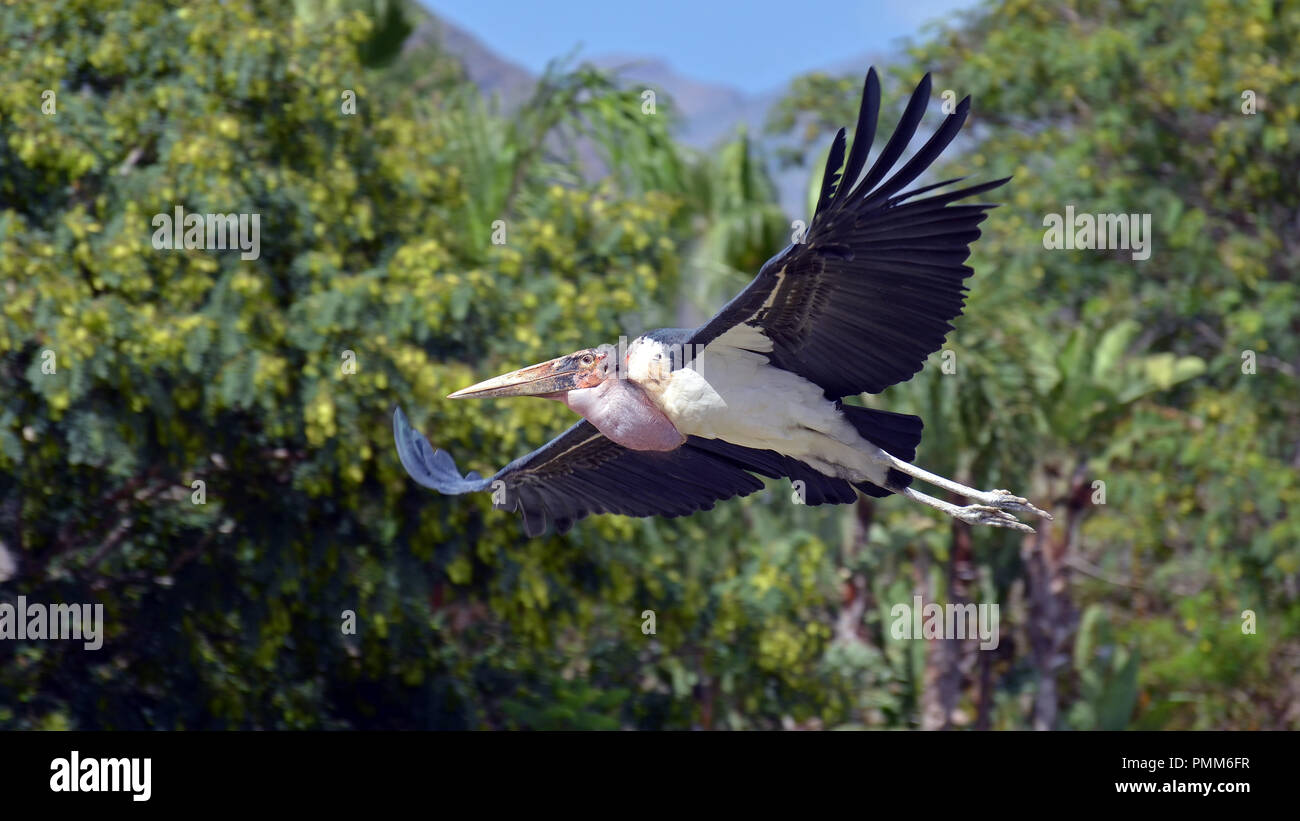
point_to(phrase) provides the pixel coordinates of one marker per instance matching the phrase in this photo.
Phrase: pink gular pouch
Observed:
(625, 414)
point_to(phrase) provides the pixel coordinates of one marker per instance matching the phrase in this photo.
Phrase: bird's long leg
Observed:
(999, 499)
(971, 514)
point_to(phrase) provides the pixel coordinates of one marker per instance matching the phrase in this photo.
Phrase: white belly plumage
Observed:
(736, 395)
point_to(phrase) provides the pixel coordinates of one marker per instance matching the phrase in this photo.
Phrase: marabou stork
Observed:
(685, 417)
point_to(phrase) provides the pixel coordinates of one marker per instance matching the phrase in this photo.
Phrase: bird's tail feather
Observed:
(897, 433)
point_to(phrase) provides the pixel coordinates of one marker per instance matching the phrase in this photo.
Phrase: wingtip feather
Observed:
(434, 469)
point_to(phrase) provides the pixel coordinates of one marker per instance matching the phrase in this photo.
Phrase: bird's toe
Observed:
(1006, 500)
(993, 517)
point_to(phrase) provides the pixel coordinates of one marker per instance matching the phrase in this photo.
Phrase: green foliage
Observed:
(1079, 367)
(1108, 676)
(175, 367)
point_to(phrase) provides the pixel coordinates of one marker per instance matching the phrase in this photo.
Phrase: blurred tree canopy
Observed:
(264, 388)
(1171, 380)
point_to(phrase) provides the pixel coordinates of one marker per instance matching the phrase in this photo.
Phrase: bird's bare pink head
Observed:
(586, 368)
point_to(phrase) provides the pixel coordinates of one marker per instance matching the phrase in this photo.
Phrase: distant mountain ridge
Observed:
(709, 112)
(492, 73)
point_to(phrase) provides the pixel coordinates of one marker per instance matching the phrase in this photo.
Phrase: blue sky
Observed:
(753, 45)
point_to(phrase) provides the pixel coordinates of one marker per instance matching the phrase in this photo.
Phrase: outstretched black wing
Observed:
(581, 472)
(868, 295)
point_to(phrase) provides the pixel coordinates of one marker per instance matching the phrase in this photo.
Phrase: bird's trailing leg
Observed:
(999, 501)
(970, 514)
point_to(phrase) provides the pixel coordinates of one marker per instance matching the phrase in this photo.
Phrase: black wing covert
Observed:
(868, 295)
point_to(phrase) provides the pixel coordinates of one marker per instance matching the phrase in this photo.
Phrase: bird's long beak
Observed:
(559, 375)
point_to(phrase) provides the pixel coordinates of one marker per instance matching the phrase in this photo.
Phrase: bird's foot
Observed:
(991, 516)
(1004, 500)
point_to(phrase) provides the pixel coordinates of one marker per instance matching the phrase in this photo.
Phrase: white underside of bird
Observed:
(732, 392)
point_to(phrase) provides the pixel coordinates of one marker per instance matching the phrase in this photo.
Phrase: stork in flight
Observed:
(685, 417)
